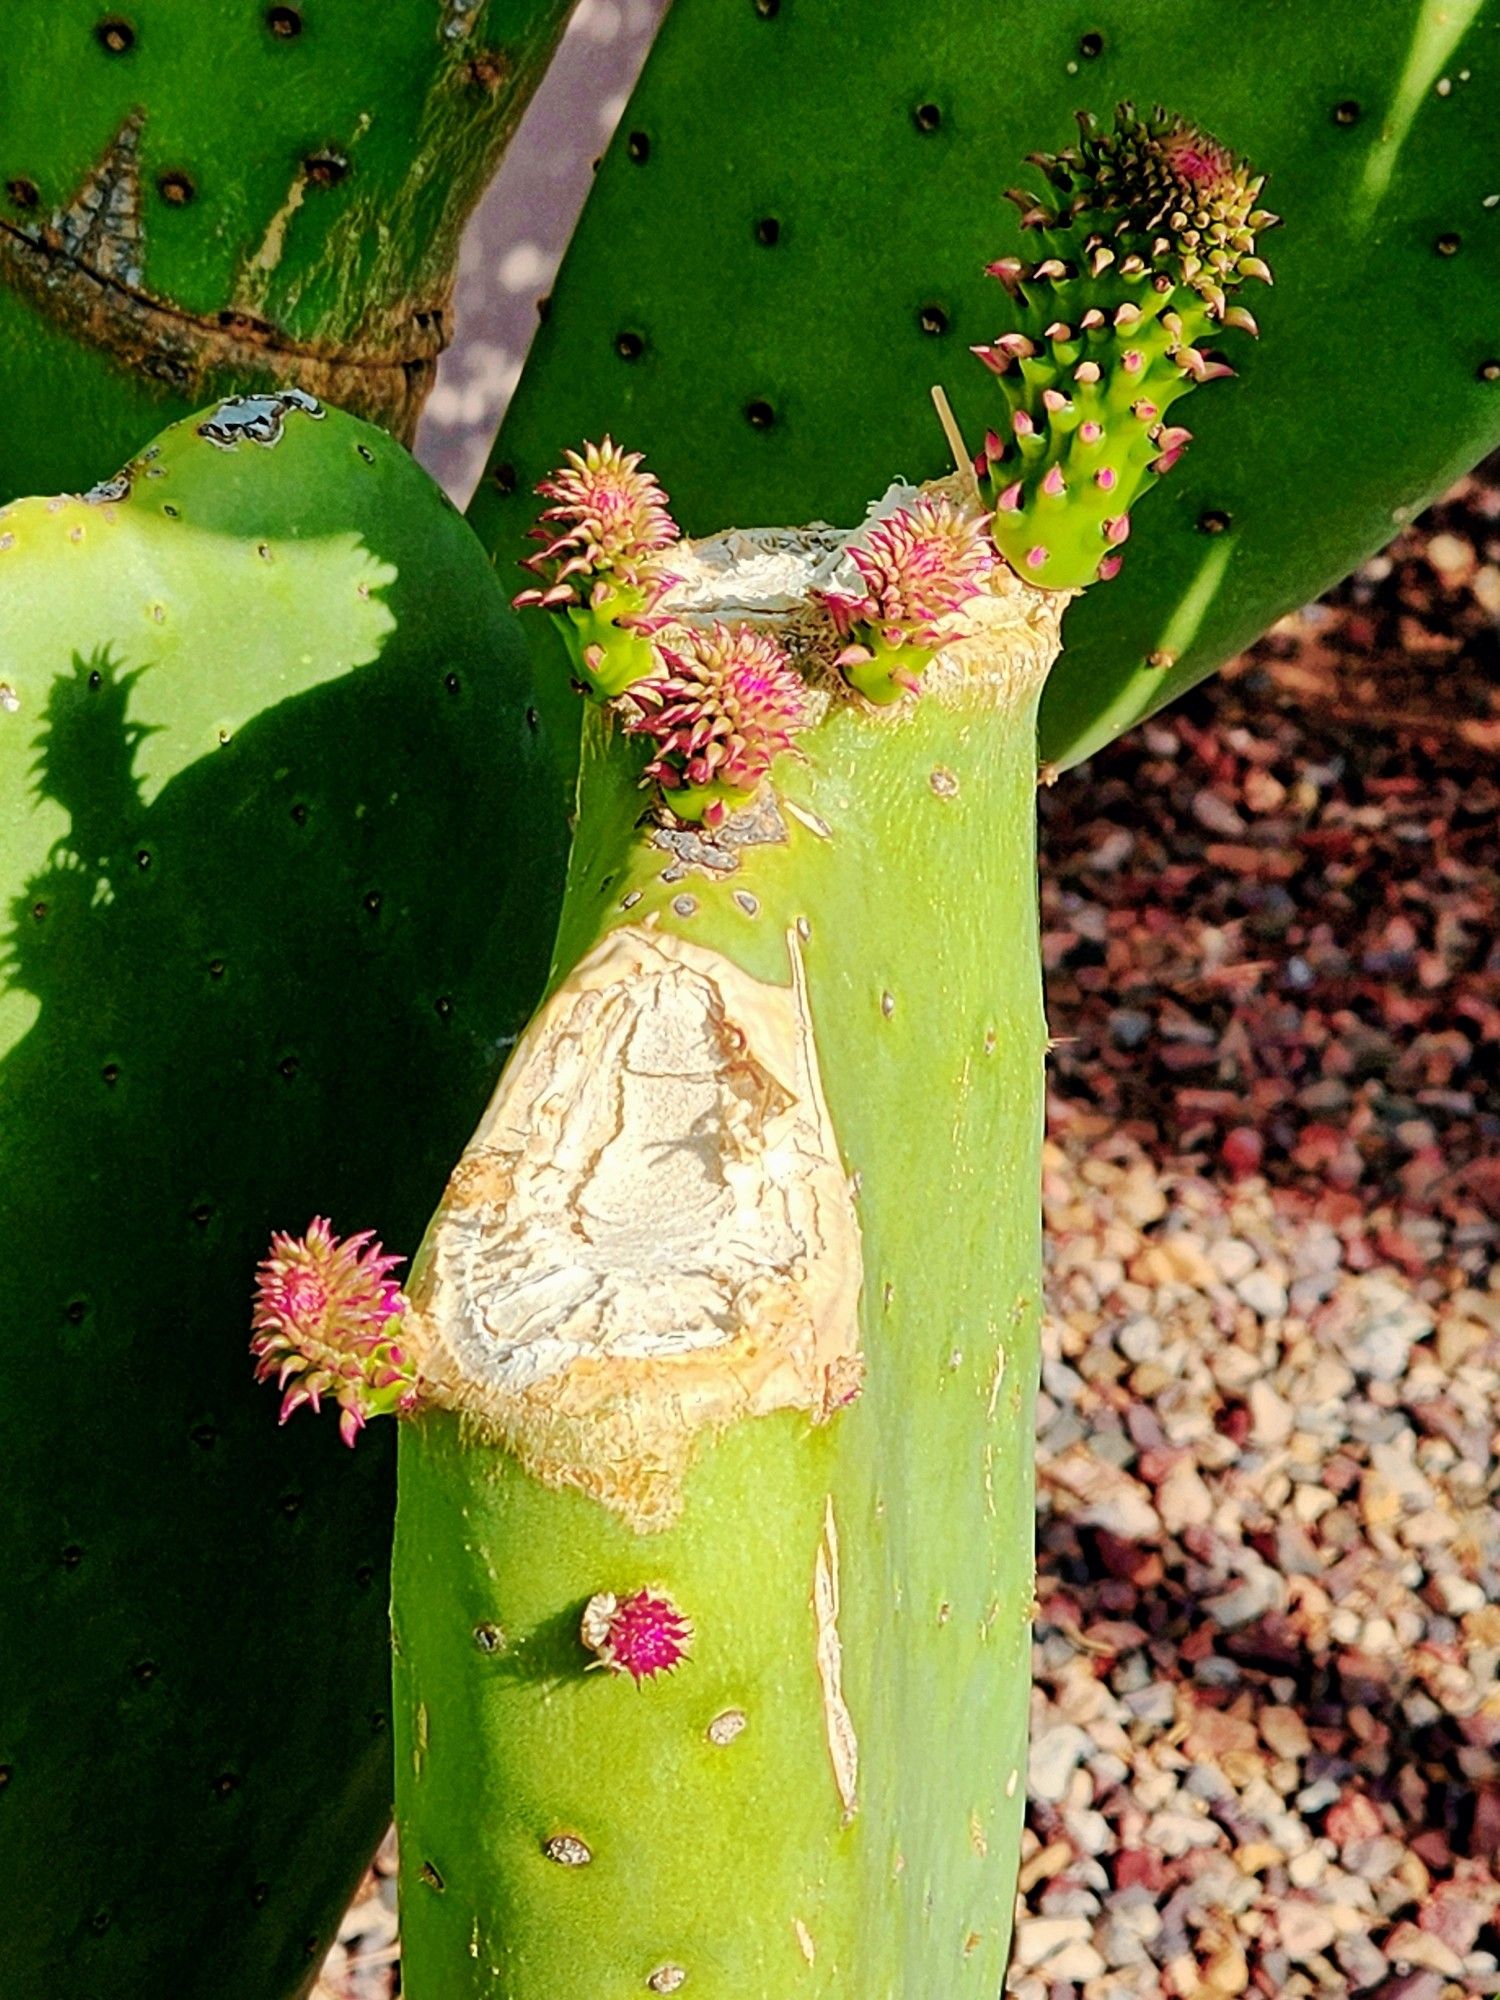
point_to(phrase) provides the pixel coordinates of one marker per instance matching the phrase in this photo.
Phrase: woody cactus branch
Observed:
(719, 1356)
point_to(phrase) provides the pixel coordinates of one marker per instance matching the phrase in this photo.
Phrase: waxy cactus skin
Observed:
(199, 199)
(824, 1796)
(256, 692)
(842, 212)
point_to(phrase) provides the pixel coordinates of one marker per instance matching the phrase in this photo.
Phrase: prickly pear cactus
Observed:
(766, 308)
(197, 198)
(257, 694)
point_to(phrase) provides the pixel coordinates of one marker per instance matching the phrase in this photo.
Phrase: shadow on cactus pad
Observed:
(278, 899)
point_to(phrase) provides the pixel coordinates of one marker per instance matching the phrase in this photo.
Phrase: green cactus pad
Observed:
(799, 249)
(195, 198)
(256, 695)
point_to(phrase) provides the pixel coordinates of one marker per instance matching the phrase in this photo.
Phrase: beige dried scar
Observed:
(651, 1234)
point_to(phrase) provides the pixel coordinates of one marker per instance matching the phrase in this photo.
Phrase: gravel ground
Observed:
(1267, 1709)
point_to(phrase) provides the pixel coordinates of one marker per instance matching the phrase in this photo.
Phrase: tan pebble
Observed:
(1306, 1930)
(1257, 1856)
(1285, 1732)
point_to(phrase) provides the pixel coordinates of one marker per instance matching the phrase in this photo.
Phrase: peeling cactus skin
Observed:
(254, 697)
(287, 216)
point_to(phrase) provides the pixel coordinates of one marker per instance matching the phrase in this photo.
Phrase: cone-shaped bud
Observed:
(1144, 230)
(1160, 190)
(916, 568)
(326, 1323)
(604, 538)
(641, 1635)
(727, 705)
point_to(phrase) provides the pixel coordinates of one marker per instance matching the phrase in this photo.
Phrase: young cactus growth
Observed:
(918, 567)
(604, 537)
(323, 1326)
(727, 705)
(1147, 230)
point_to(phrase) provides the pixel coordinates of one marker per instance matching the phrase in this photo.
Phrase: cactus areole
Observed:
(720, 1351)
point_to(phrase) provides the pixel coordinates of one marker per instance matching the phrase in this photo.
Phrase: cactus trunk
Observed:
(832, 1033)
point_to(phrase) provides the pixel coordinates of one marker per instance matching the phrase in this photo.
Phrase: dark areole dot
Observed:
(1213, 521)
(110, 1073)
(379, 1722)
(145, 1671)
(216, 968)
(96, 679)
(6, 1774)
(72, 1556)
(452, 683)
(759, 414)
(1346, 112)
(176, 188)
(431, 1877)
(488, 1638)
(289, 1065)
(325, 170)
(284, 22)
(143, 857)
(114, 35)
(364, 1576)
(638, 146)
(225, 1784)
(533, 720)
(205, 1436)
(171, 512)
(76, 1311)
(365, 453)
(260, 1895)
(373, 902)
(1488, 371)
(629, 346)
(203, 1214)
(299, 814)
(927, 117)
(99, 1922)
(503, 477)
(1091, 44)
(1448, 244)
(768, 231)
(768, 9)
(39, 912)
(933, 320)
(22, 192)
(443, 1007)
(290, 1505)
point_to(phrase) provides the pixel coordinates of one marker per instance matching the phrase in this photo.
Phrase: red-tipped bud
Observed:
(322, 1323)
(608, 520)
(642, 1635)
(1053, 483)
(728, 704)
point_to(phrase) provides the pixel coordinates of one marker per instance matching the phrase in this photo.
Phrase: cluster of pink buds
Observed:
(916, 569)
(728, 703)
(641, 1635)
(603, 539)
(322, 1326)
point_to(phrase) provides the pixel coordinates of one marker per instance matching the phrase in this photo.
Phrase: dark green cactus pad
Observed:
(197, 198)
(786, 244)
(277, 899)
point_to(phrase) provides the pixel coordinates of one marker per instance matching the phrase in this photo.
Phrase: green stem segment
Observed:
(825, 1797)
